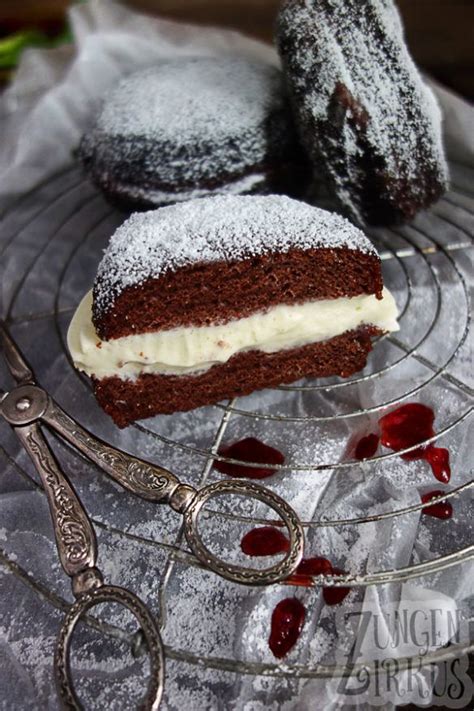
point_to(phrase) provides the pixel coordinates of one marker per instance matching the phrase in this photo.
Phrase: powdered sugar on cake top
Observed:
(221, 228)
(360, 44)
(191, 119)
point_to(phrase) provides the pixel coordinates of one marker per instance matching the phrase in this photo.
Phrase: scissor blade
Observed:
(17, 365)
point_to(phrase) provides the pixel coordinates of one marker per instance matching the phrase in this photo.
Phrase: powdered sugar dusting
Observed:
(189, 120)
(214, 229)
(326, 43)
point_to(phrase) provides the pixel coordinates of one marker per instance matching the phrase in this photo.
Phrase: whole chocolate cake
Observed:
(192, 127)
(368, 121)
(217, 297)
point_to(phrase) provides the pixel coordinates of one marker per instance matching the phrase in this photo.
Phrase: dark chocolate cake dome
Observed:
(370, 124)
(190, 127)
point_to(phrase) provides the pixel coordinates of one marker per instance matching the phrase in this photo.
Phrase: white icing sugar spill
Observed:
(150, 244)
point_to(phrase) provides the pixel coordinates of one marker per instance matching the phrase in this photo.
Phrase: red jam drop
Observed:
(287, 622)
(438, 457)
(412, 424)
(249, 450)
(442, 509)
(334, 596)
(314, 566)
(264, 541)
(366, 447)
(307, 569)
(406, 426)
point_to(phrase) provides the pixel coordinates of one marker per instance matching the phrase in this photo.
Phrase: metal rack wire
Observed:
(44, 219)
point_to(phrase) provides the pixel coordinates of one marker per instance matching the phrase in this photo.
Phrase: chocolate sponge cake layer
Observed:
(213, 260)
(218, 292)
(288, 177)
(148, 395)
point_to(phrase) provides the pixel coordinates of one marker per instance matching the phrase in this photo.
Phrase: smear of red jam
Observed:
(412, 424)
(265, 541)
(442, 509)
(406, 426)
(366, 447)
(287, 622)
(249, 450)
(307, 569)
(334, 596)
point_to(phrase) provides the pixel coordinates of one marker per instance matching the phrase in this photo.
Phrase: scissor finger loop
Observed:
(86, 601)
(235, 573)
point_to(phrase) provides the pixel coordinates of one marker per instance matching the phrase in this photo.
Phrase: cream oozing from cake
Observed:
(190, 350)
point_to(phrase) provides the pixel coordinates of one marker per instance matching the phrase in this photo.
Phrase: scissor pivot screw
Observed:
(24, 403)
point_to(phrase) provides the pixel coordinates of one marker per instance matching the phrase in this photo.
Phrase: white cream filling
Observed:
(195, 349)
(236, 187)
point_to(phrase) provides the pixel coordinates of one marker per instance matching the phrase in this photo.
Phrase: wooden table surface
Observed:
(440, 33)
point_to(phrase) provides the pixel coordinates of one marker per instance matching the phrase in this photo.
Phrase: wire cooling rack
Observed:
(50, 243)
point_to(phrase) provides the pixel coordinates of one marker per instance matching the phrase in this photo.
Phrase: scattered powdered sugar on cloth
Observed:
(150, 244)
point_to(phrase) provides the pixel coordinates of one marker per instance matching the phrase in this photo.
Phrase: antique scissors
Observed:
(75, 538)
(24, 408)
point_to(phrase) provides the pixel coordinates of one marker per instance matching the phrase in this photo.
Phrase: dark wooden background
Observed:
(440, 32)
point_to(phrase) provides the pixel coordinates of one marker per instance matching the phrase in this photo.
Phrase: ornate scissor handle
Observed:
(77, 548)
(96, 596)
(143, 479)
(158, 485)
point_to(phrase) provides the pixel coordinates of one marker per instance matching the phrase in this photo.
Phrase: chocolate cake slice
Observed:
(368, 121)
(217, 297)
(192, 127)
